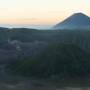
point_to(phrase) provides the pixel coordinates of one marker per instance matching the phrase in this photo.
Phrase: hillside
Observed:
(20, 43)
(56, 61)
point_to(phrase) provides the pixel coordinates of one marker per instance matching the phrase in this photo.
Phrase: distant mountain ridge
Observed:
(75, 21)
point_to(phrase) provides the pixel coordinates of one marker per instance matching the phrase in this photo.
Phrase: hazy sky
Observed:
(40, 11)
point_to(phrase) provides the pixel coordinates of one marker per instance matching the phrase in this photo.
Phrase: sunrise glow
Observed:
(40, 11)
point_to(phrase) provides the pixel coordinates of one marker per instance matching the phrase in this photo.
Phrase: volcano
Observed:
(75, 21)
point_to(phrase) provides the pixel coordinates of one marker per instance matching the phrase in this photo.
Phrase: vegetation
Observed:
(56, 61)
(48, 53)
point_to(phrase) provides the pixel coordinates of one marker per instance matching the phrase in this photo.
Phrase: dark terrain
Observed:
(33, 59)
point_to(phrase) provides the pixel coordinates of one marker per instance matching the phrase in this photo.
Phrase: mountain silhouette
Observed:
(75, 21)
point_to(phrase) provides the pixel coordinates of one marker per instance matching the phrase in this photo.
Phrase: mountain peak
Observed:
(79, 14)
(75, 21)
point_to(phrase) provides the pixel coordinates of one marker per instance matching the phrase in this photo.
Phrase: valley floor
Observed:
(20, 83)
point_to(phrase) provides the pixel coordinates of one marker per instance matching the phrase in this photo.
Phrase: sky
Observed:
(40, 12)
